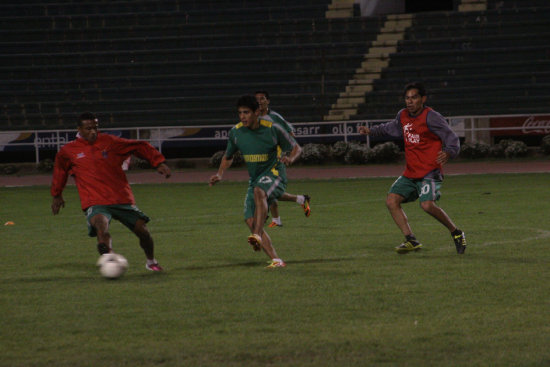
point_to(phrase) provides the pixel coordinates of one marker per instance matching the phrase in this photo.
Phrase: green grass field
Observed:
(345, 298)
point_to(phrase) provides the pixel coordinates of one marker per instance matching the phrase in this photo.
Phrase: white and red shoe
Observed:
(154, 267)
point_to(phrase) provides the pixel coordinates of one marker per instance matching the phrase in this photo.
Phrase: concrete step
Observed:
(339, 13)
(472, 7)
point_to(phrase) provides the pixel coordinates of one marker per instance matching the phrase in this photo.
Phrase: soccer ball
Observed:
(112, 266)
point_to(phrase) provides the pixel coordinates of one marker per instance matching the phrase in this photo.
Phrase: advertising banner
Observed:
(22, 141)
(176, 138)
(520, 125)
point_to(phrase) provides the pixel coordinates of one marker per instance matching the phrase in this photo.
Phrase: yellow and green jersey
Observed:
(259, 147)
(277, 118)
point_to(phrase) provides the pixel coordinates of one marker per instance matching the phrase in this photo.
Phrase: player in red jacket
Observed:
(95, 161)
(429, 143)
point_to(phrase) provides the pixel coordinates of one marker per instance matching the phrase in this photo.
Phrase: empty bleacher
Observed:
(185, 62)
(495, 61)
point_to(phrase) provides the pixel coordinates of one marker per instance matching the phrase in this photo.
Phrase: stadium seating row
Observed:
(191, 42)
(516, 4)
(171, 17)
(485, 62)
(168, 62)
(138, 115)
(184, 62)
(160, 28)
(58, 8)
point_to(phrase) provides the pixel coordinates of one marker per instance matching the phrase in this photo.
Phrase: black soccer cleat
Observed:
(460, 242)
(408, 246)
(103, 248)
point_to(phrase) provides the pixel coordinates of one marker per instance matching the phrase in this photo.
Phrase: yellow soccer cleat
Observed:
(276, 263)
(408, 246)
(255, 241)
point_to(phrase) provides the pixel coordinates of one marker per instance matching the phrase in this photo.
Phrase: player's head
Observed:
(86, 116)
(87, 126)
(248, 109)
(415, 97)
(415, 85)
(264, 92)
(263, 100)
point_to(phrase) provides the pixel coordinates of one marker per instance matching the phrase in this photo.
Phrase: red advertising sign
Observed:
(520, 125)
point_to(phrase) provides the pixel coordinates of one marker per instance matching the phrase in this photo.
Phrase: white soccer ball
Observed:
(112, 265)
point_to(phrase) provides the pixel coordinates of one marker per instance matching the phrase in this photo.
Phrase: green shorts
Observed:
(273, 185)
(126, 214)
(427, 189)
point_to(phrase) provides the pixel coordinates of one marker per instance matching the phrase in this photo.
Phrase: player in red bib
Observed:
(95, 161)
(429, 143)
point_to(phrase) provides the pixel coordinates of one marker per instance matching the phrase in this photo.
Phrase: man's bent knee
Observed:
(428, 206)
(100, 222)
(141, 230)
(393, 201)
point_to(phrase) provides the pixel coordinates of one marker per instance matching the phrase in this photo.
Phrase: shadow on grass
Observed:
(86, 272)
(222, 266)
(81, 272)
(67, 266)
(263, 263)
(320, 261)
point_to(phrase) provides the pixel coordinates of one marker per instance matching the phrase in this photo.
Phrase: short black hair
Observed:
(264, 92)
(415, 85)
(248, 101)
(86, 116)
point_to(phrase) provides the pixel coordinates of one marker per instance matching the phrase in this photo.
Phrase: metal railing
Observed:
(38, 140)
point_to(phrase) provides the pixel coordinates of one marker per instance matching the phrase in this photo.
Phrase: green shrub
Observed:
(9, 169)
(314, 153)
(387, 152)
(475, 150)
(45, 165)
(545, 144)
(138, 163)
(357, 154)
(508, 148)
(497, 151)
(339, 150)
(516, 149)
(216, 159)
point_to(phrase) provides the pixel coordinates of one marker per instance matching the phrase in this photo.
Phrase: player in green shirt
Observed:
(262, 97)
(258, 140)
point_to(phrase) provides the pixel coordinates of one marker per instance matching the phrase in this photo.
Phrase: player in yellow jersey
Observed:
(258, 140)
(262, 97)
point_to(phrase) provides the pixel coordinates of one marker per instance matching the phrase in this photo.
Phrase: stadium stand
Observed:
(495, 61)
(140, 63)
(185, 62)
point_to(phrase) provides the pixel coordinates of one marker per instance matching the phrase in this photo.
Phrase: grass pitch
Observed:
(345, 298)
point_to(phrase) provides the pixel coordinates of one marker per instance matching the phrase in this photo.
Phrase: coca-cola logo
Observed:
(533, 126)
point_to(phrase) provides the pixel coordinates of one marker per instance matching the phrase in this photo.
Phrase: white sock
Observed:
(151, 261)
(277, 260)
(300, 199)
(277, 220)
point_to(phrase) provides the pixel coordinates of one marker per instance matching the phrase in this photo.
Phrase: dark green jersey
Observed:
(280, 120)
(259, 147)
